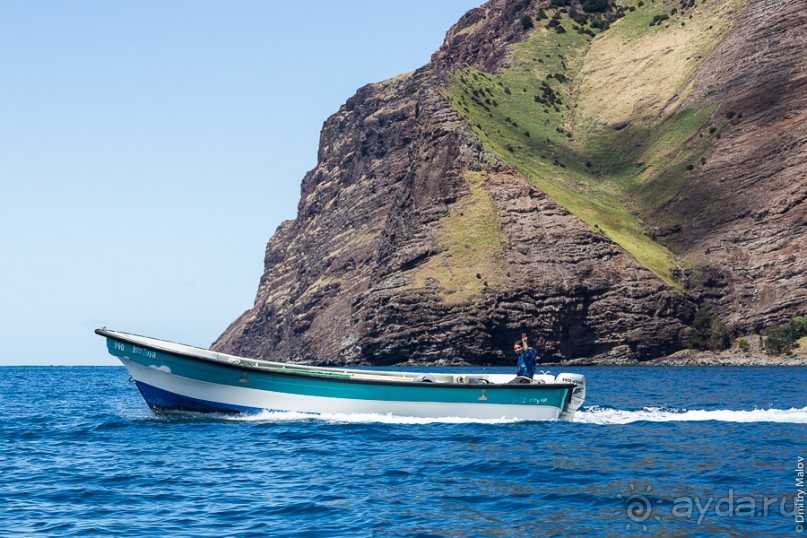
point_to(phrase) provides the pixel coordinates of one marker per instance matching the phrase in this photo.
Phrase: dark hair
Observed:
(518, 343)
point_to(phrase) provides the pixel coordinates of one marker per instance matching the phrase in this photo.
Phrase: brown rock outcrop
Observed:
(344, 282)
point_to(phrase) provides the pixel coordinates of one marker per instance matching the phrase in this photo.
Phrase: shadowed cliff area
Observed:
(589, 173)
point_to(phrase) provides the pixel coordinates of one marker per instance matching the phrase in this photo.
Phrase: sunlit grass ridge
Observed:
(564, 115)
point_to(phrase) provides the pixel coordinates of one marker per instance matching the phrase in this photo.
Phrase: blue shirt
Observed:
(526, 362)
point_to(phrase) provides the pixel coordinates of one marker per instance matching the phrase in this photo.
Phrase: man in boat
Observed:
(526, 361)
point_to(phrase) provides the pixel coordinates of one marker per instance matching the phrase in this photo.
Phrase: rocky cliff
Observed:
(742, 215)
(589, 186)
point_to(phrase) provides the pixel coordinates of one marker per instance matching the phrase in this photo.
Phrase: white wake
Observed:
(587, 415)
(358, 418)
(602, 415)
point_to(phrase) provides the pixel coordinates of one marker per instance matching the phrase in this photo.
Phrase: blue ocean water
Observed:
(677, 451)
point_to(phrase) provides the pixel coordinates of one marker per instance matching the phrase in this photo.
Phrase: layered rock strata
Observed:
(374, 268)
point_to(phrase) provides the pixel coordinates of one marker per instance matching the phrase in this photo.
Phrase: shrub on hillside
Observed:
(526, 22)
(720, 337)
(595, 6)
(709, 332)
(781, 338)
(577, 16)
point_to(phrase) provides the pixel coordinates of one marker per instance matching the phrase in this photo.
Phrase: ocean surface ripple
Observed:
(683, 451)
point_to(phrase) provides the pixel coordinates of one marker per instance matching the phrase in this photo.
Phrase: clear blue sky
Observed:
(149, 149)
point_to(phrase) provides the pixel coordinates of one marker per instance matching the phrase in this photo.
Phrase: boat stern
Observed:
(577, 397)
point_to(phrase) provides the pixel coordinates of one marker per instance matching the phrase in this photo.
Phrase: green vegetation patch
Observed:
(561, 117)
(784, 338)
(471, 239)
(524, 116)
(469, 29)
(709, 332)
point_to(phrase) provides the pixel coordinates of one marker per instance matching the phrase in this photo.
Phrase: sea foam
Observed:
(358, 418)
(587, 415)
(602, 415)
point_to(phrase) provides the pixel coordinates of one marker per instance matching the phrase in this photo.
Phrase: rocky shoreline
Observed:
(689, 357)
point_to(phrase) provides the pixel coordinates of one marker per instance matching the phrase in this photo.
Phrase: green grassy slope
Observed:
(595, 122)
(472, 240)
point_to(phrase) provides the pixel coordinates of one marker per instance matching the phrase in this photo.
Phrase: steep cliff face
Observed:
(424, 234)
(742, 214)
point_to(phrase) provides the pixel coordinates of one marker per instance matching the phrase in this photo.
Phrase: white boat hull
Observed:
(177, 377)
(319, 405)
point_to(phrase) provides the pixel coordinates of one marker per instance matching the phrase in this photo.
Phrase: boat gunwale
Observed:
(279, 370)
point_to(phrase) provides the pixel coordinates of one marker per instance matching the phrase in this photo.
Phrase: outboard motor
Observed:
(578, 394)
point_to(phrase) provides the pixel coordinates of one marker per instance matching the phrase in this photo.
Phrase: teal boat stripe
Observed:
(313, 385)
(140, 349)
